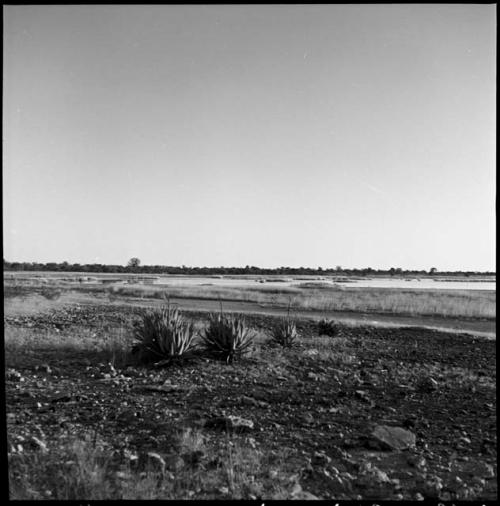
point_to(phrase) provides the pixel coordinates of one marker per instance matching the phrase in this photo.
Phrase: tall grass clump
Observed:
(163, 336)
(226, 336)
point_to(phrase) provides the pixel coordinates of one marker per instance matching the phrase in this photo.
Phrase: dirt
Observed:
(318, 401)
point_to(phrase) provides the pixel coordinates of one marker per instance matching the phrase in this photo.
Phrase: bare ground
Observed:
(312, 409)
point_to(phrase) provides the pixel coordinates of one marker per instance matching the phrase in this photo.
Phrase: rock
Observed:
(433, 487)
(410, 422)
(174, 462)
(311, 352)
(153, 461)
(320, 459)
(419, 497)
(478, 482)
(307, 418)
(297, 494)
(428, 384)
(44, 368)
(313, 376)
(363, 395)
(13, 375)
(250, 401)
(417, 461)
(230, 422)
(369, 475)
(38, 444)
(393, 438)
(480, 469)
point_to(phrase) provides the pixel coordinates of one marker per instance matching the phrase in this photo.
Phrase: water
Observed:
(424, 284)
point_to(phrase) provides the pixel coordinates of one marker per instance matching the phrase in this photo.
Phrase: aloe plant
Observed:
(226, 337)
(162, 335)
(285, 332)
(328, 328)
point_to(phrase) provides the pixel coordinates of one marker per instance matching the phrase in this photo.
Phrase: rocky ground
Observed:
(371, 413)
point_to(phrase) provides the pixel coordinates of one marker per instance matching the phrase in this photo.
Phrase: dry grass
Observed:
(455, 303)
(111, 345)
(398, 301)
(86, 468)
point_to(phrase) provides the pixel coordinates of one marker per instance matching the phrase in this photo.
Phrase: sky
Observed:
(286, 135)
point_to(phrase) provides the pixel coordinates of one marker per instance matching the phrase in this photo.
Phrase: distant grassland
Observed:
(303, 296)
(467, 303)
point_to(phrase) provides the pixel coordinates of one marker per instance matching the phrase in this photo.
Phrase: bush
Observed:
(226, 337)
(162, 336)
(285, 332)
(328, 328)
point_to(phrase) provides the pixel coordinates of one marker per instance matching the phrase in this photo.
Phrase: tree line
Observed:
(134, 266)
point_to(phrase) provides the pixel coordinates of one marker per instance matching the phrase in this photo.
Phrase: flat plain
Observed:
(399, 404)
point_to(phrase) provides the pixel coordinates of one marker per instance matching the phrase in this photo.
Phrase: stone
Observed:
(417, 461)
(433, 487)
(230, 422)
(480, 469)
(297, 494)
(174, 462)
(13, 375)
(362, 395)
(153, 461)
(44, 368)
(311, 352)
(313, 376)
(38, 444)
(320, 459)
(428, 384)
(369, 475)
(393, 438)
(477, 481)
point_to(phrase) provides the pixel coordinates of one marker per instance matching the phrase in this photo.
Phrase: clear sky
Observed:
(352, 135)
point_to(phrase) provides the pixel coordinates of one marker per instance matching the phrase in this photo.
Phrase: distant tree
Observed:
(432, 270)
(134, 262)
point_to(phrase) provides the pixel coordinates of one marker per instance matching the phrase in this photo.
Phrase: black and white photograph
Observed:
(249, 252)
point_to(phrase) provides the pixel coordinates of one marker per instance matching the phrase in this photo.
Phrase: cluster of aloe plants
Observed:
(162, 336)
